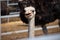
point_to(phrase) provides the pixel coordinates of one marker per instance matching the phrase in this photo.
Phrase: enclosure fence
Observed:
(21, 31)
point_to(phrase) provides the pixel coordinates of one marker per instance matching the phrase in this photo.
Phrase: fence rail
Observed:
(21, 31)
(7, 16)
(12, 4)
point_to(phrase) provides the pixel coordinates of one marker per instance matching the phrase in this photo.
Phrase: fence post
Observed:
(31, 27)
(8, 20)
(0, 20)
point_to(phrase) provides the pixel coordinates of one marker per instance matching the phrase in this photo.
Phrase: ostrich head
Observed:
(27, 7)
(29, 12)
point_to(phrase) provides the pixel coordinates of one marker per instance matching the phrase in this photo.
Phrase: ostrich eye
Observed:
(32, 10)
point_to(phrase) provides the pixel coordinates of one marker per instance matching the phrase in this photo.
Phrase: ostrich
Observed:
(45, 11)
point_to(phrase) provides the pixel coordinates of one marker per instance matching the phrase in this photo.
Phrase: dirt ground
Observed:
(19, 25)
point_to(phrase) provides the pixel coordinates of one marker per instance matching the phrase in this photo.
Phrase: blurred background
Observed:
(11, 23)
(9, 7)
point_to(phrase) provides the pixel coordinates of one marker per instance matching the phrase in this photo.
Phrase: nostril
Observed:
(28, 14)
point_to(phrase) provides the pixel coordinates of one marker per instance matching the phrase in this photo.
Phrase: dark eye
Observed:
(32, 10)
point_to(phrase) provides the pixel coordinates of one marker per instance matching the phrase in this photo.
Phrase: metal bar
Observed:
(0, 20)
(3, 0)
(13, 4)
(21, 31)
(7, 16)
(8, 20)
(7, 2)
(11, 13)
